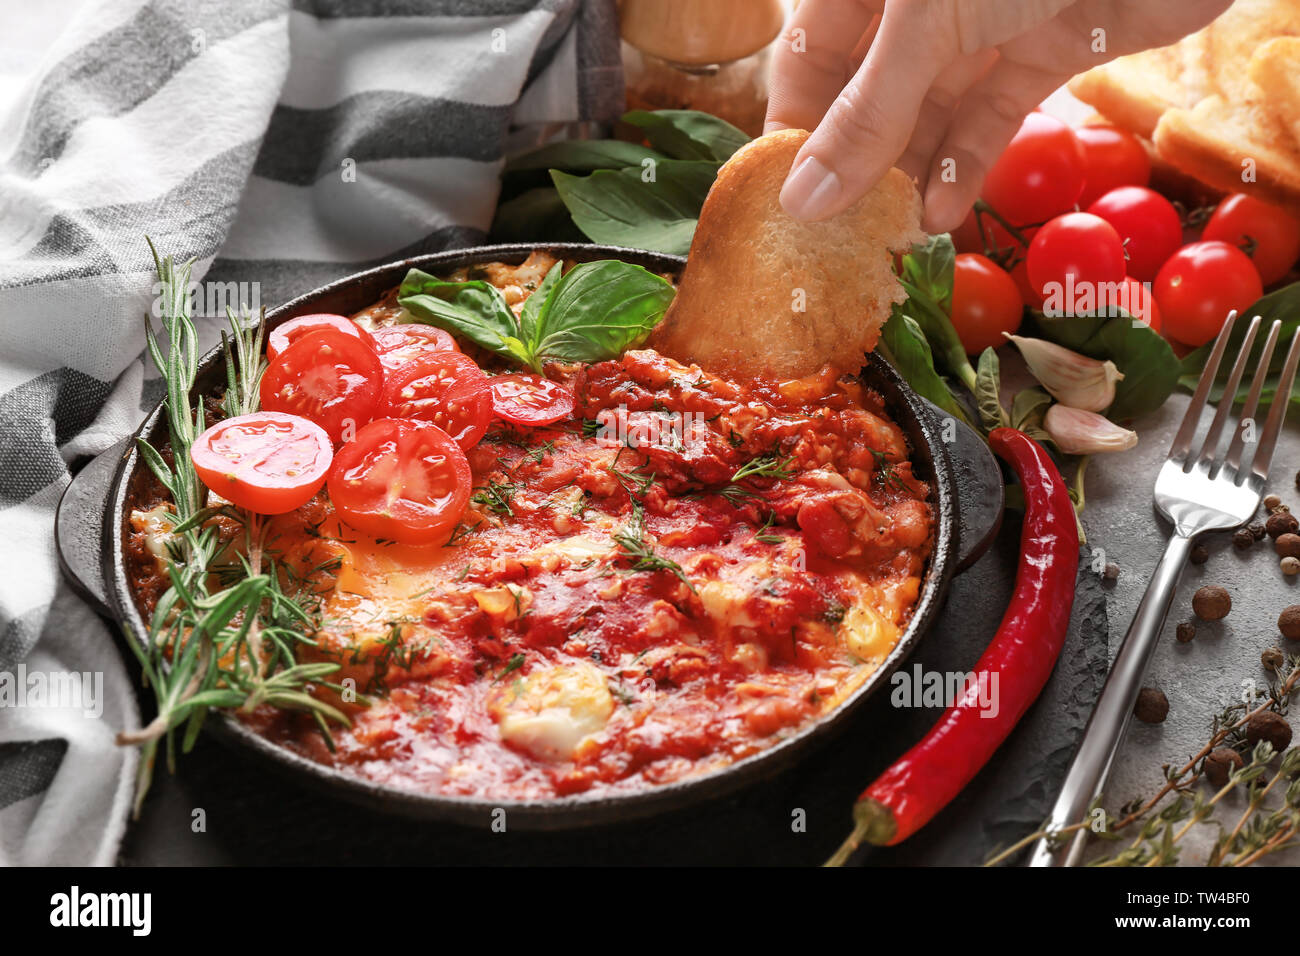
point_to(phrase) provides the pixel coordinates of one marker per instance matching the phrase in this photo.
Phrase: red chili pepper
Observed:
(1022, 654)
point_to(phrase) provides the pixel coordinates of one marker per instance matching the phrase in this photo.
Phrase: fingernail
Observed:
(811, 191)
(941, 210)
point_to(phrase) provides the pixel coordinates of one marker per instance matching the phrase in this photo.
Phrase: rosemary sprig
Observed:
(765, 466)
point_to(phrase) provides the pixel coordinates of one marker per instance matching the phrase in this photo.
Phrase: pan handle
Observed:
(981, 492)
(79, 527)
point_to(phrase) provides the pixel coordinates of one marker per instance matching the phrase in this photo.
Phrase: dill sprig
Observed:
(496, 496)
(224, 634)
(633, 546)
(765, 466)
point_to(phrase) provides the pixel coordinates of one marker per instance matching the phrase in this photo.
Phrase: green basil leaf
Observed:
(931, 269)
(583, 156)
(928, 276)
(537, 304)
(600, 309)
(988, 385)
(903, 345)
(688, 134)
(473, 309)
(1283, 304)
(621, 208)
(1149, 365)
(537, 215)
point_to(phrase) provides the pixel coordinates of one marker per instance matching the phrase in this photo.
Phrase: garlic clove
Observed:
(1080, 432)
(1071, 378)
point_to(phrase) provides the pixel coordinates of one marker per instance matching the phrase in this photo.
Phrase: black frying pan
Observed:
(93, 524)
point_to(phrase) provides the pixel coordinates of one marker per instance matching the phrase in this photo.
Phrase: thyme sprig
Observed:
(224, 634)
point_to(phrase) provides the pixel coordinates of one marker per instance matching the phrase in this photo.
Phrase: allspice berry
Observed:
(1211, 603)
(1290, 565)
(1220, 764)
(1185, 632)
(1152, 706)
(1272, 658)
(1287, 545)
(1270, 726)
(1271, 502)
(1111, 571)
(1242, 539)
(1288, 622)
(1257, 530)
(1280, 523)
(1200, 554)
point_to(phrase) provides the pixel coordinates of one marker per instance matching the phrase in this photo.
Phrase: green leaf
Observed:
(928, 275)
(903, 345)
(583, 156)
(688, 134)
(1028, 409)
(473, 309)
(1281, 304)
(988, 385)
(537, 304)
(622, 208)
(1150, 368)
(538, 215)
(600, 309)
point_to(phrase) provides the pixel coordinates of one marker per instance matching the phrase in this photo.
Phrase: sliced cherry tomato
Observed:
(402, 480)
(1081, 246)
(985, 303)
(399, 345)
(1039, 174)
(445, 388)
(266, 462)
(1147, 224)
(1111, 158)
(329, 377)
(1200, 284)
(286, 333)
(1268, 234)
(530, 399)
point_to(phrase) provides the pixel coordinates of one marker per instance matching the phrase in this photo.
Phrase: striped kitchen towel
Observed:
(279, 144)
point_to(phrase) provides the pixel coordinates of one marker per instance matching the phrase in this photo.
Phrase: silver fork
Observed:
(1196, 494)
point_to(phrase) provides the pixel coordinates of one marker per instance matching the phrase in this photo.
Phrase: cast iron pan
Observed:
(93, 522)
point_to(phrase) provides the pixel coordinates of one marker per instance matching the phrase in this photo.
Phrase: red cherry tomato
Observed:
(1268, 234)
(530, 399)
(1140, 303)
(1111, 158)
(1147, 223)
(331, 378)
(266, 462)
(286, 333)
(402, 480)
(1200, 284)
(985, 303)
(1039, 174)
(1082, 246)
(1028, 294)
(399, 345)
(445, 388)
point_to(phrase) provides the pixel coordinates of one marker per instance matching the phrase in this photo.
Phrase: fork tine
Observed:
(1183, 440)
(1210, 449)
(1277, 412)
(1233, 460)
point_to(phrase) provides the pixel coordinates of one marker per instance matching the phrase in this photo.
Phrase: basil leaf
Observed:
(537, 215)
(688, 134)
(1150, 368)
(583, 156)
(1283, 304)
(928, 276)
(621, 208)
(988, 385)
(600, 309)
(903, 345)
(537, 304)
(473, 309)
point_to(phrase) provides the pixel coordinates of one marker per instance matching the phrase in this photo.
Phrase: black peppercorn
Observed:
(1220, 764)
(1270, 726)
(1111, 571)
(1185, 632)
(1152, 706)
(1257, 531)
(1242, 539)
(1200, 554)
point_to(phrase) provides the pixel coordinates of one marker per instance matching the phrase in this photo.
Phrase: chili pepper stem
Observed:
(873, 823)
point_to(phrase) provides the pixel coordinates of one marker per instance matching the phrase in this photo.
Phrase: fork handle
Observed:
(1110, 718)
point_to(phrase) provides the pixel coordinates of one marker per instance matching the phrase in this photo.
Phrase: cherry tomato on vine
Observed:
(328, 377)
(445, 388)
(405, 481)
(286, 333)
(1148, 225)
(1082, 246)
(1141, 304)
(531, 399)
(1111, 158)
(1200, 284)
(985, 303)
(1267, 233)
(398, 345)
(266, 462)
(1039, 174)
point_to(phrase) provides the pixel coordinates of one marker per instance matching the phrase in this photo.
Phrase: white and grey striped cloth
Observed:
(281, 145)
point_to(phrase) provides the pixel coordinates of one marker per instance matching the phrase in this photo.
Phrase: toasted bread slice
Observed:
(1275, 69)
(767, 295)
(1134, 91)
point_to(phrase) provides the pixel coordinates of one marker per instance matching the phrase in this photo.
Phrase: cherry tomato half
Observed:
(329, 377)
(1200, 284)
(985, 303)
(530, 399)
(1268, 234)
(399, 345)
(289, 332)
(1111, 158)
(266, 462)
(445, 388)
(1147, 224)
(1080, 245)
(402, 480)
(1039, 174)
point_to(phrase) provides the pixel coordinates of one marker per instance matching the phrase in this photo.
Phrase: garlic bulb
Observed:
(1080, 432)
(1071, 378)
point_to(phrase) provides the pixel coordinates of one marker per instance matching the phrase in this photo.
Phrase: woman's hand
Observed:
(938, 86)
